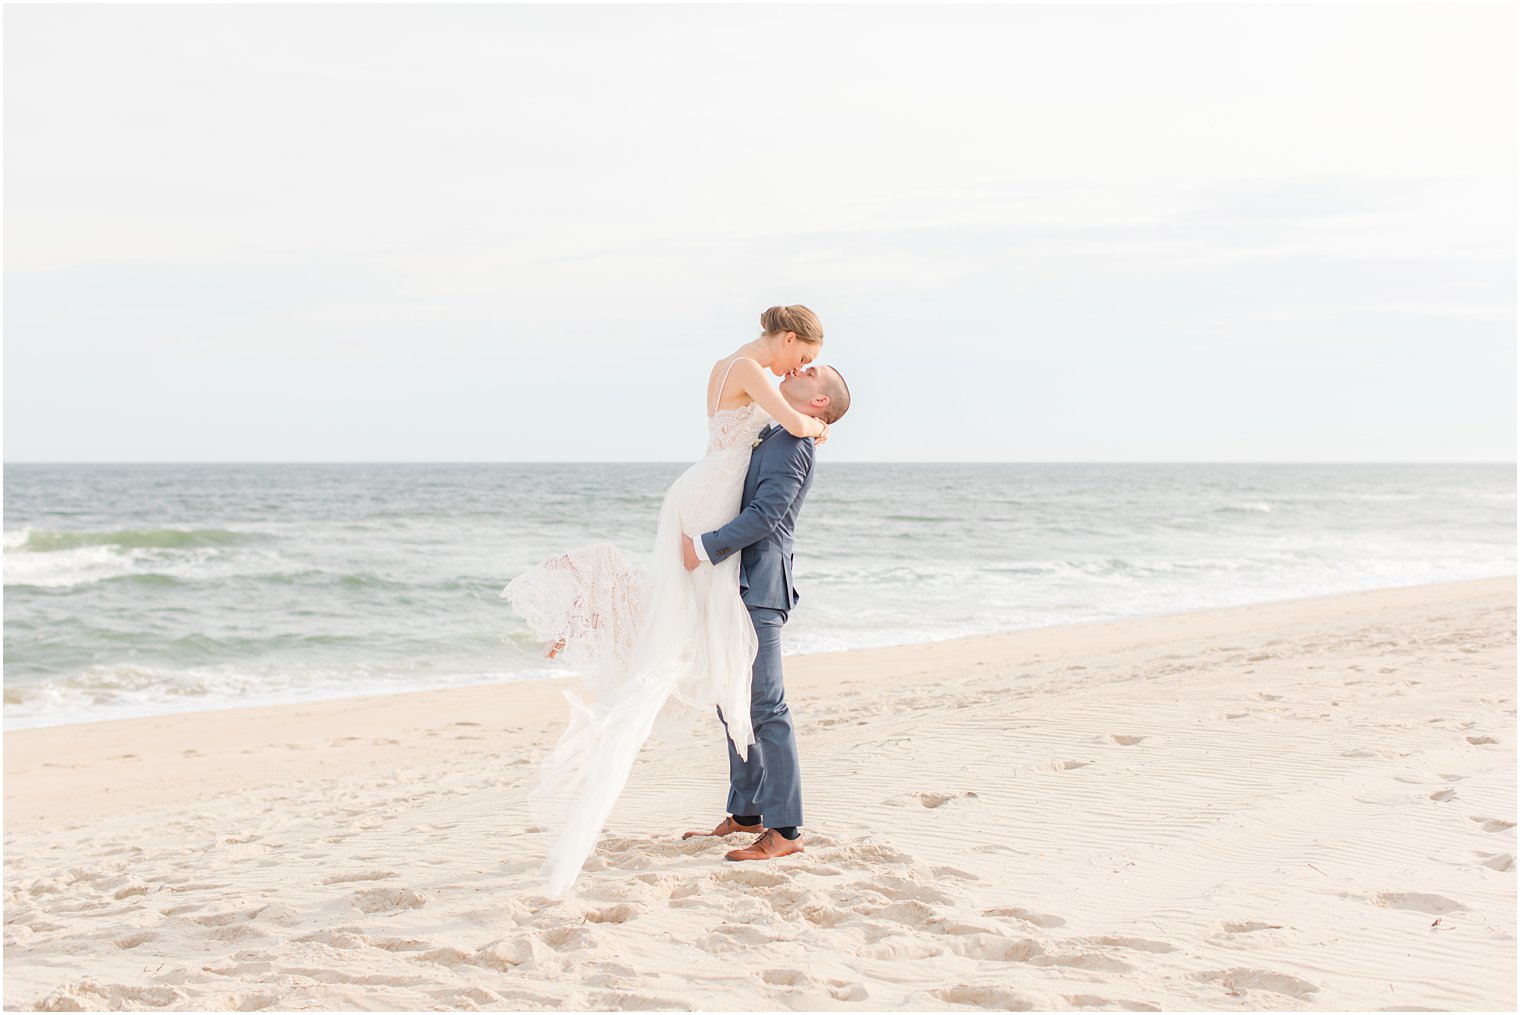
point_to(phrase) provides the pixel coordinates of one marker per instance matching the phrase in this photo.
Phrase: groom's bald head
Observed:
(838, 392)
(817, 391)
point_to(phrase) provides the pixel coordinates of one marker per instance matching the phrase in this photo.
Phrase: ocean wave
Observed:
(80, 565)
(59, 559)
(32, 540)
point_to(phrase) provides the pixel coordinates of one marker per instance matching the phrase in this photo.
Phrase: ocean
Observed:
(135, 590)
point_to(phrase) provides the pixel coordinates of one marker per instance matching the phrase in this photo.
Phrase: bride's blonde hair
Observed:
(796, 318)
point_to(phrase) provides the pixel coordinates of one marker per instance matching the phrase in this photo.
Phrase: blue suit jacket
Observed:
(780, 474)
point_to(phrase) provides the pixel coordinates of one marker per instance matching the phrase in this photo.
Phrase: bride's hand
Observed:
(823, 435)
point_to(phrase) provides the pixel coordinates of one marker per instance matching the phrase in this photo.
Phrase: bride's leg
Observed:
(560, 562)
(550, 651)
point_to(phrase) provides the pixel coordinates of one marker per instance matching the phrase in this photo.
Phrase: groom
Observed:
(768, 785)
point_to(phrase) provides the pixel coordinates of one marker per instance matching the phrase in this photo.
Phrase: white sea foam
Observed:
(79, 565)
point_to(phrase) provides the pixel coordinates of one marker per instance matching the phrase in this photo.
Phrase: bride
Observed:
(640, 636)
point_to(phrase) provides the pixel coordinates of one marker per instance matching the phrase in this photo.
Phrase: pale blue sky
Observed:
(523, 233)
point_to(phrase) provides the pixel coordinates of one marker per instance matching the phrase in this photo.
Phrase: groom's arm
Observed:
(774, 493)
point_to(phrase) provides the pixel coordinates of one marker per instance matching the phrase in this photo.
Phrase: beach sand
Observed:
(1294, 805)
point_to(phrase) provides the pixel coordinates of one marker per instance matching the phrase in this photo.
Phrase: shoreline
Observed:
(512, 680)
(181, 736)
(949, 641)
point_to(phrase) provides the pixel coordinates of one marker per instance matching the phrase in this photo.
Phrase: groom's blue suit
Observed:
(780, 473)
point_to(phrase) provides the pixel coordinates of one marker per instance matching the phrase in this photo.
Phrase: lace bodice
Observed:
(735, 428)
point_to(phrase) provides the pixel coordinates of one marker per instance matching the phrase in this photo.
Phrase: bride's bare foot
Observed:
(555, 649)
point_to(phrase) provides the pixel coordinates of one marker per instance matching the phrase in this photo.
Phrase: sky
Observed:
(474, 233)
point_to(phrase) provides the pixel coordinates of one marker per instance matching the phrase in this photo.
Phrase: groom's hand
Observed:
(689, 553)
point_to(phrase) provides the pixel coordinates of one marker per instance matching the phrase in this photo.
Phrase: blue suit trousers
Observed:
(770, 782)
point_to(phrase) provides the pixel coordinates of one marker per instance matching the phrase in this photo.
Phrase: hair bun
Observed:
(793, 317)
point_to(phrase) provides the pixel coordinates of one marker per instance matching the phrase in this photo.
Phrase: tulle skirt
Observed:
(640, 638)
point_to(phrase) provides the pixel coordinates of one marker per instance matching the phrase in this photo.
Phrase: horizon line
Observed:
(999, 461)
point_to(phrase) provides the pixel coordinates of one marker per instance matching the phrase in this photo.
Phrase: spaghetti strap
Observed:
(721, 384)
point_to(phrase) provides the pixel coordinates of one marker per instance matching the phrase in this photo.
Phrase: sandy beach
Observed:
(1306, 804)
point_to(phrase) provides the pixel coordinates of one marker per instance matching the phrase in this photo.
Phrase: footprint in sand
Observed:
(1419, 902)
(571, 938)
(839, 990)
(1496, 861)
(986, 947)
(1124, 739)
(986, 995)
(1089, 961)
(1237, 981)
(90, 995)
(1037, 919)
(621, 913)
(927, 799)
(379, 900)
(1138, 944)
(866, 855)
(1492, 824)
(896, 888)
(134, 939)
(749, 877)
(634, 1001)
(1442, 796)
(1479, 741)
(1109, 1003)
(339, 879)
(730, 937)
(895, 947)
(1247, 926)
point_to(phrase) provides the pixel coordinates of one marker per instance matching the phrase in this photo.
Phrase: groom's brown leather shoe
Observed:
(728, 826)
(770, 845)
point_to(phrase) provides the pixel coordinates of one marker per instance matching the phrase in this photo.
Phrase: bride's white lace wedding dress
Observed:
(638, 637)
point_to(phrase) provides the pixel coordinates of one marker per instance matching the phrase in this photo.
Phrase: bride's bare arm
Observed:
(750, 376)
